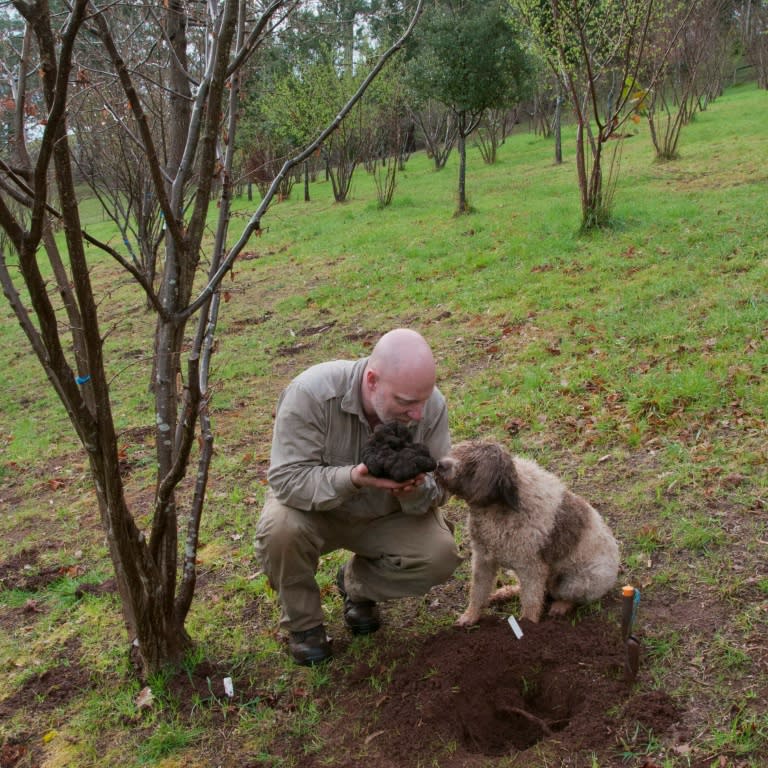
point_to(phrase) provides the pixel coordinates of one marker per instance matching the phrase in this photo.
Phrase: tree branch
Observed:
(255, 220)
(148, 144)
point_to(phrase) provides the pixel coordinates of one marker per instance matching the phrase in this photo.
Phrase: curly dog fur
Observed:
(524, 518)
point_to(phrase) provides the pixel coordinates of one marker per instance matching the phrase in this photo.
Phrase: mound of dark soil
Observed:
(464, 698)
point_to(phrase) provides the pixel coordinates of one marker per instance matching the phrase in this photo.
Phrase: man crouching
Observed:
(323, 498)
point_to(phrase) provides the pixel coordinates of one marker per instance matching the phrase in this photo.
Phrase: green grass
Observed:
(634, 359)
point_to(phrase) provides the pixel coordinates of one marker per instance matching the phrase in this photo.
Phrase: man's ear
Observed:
(371, 379)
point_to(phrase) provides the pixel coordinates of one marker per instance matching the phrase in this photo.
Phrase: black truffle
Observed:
(391, 453)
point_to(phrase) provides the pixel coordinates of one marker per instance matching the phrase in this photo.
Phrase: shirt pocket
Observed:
(339, 457)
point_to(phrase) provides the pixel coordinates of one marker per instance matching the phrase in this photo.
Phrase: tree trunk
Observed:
(156, 632)
(557, 128)
(462, 206)
(596, 214)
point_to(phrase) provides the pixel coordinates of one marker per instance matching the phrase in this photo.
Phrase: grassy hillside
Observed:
(633, 362)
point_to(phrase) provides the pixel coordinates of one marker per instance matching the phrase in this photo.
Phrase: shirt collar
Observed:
(352, 402)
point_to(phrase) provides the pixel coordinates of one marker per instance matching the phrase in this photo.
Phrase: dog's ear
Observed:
(502, 492)
(508, 490)
(495, 480)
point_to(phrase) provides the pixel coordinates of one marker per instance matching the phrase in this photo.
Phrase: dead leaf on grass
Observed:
(513, 426)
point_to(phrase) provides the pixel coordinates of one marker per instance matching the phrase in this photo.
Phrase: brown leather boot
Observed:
(310, 646)
(361, 616)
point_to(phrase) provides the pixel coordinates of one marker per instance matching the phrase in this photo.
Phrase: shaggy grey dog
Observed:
(523, 517)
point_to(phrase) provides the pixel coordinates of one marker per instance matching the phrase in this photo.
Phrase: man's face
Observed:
(399, 400)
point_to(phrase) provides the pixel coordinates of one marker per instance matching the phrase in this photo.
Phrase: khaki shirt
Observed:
(320, 430)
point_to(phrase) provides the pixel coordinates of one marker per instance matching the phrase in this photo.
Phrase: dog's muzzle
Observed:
(444, 468)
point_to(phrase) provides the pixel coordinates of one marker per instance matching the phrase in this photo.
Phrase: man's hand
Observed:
(362, 478)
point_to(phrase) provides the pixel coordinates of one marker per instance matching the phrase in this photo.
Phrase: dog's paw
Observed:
(560, 608)
(467, 619)
(532, 615)
(503, 594)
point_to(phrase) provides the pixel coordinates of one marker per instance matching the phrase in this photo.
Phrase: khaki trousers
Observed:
(396, 555)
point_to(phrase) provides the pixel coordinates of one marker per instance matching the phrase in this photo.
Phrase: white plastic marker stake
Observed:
(515, 627)
(229, 689)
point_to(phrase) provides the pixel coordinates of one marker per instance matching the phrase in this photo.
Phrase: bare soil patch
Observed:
(41, 694)
(464, 698)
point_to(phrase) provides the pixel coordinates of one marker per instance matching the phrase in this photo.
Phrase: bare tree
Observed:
(752, 17)
(391, 135)
(439, 130)
(112, 164)
(344, 150)
(686, 69)
(596, 49)
(493, 129)
(193, 54)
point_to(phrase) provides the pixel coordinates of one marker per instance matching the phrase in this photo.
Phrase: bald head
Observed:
(403, 352)
(399, 377)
